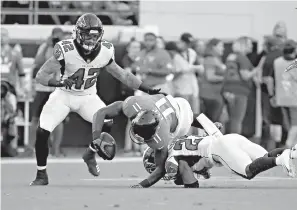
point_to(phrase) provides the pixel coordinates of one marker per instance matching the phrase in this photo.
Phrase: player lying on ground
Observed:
(194, 154)
(79, 61)
(156, 121)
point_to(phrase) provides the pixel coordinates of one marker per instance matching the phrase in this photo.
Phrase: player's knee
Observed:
(171, 167)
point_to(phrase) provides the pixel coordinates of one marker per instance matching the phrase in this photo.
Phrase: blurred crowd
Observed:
(110, 12)
(244, 89)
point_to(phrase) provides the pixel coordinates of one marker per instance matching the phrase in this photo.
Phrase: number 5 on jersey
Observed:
(78, 77)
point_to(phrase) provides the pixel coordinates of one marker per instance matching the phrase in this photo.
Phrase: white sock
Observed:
(278, 160)
(41, 168)
(294, 153)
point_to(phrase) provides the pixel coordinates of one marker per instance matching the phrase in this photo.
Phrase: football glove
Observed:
(67, 83)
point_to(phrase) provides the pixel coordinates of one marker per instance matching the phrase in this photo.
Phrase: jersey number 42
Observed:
(78, 77)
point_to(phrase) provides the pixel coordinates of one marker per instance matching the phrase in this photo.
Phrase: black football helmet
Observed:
(89, 31)
(149, 164)
(144, 126)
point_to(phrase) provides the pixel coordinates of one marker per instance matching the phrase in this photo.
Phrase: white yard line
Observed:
(10, 161)
(215, 178)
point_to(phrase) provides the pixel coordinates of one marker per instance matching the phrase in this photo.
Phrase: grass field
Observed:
(73, 188)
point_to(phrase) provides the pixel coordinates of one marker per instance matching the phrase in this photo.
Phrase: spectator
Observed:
(133, 50)
(212, 80)
(67, 35)
(161, 42)
(285, 95)
(44, 52)
(8, 114)
(280, 31)
(199, 47)
(11, 65)
(154, 64)
(188, 78)
(237, 83)
(271, 116)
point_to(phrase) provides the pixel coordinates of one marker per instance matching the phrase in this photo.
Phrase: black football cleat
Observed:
(41, 178)
(90, 160)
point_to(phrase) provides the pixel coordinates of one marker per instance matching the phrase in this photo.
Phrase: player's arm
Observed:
(127, 78)
(51, 66)
(187, 175)
(197, 124)
(108, 112)
(159, 172)
(54, 65)
(20, 68)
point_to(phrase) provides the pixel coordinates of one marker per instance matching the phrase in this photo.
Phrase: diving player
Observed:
(156, 121)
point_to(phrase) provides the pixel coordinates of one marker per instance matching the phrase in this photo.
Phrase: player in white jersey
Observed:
(80, 61)
(195, 154)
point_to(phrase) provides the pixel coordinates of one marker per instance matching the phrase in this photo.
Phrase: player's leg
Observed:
(185, 116)
(260, 161)
(90, 105)
(187, 174)
(178, 169)
(227, 152)
(263, 160)
(53, 113)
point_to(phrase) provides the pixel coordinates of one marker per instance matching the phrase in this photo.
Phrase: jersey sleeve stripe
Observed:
(138, 106)
(135, 108)
(167, 112)
(161, 102)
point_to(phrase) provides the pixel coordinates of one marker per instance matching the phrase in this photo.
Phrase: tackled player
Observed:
(156, 121)
(80, 61)
(193, 154)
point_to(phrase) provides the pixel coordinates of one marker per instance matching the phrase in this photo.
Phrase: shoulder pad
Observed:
(58, 52)
(107, 44)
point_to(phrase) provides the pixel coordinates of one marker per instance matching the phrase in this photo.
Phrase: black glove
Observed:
(67, 83)
(219, 125)
(154, 91)
(149, 90)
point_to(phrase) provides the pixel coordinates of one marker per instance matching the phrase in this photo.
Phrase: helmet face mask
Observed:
(89, 32)
(144, 126)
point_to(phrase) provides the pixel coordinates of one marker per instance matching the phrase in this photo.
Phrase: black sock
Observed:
(275, 152)
(41, 146)
(193, 185)
(259, 165)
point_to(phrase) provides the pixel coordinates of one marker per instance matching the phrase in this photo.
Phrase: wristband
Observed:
(145, 183)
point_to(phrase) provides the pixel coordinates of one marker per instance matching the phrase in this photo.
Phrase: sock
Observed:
(259, 165)
(41, 148)
(275, 152)
(193, 185)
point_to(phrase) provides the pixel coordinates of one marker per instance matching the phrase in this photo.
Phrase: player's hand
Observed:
(218, 125)
(136, 186)
(67, 83)
(154, 91)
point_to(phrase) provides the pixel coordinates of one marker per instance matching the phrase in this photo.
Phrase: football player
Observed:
(80, 61)
(194, 154)
(156, 121)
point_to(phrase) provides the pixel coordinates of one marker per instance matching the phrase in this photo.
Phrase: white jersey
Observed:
(190, 146)
(85, 73)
